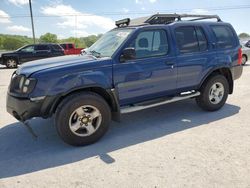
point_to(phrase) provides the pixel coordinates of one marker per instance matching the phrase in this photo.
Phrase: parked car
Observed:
(30, 53)
(247, 44)
(70, 49)
(245, 54)
(140, 64)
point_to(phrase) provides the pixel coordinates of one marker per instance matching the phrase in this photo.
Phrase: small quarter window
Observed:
(224, 36)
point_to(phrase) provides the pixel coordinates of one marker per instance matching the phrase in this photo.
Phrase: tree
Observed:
(10, 43)
(244, 35)
(48, 38)
(89, 40)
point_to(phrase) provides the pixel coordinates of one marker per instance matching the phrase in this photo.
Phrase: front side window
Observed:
(224, 36)
(109, 43)
(28, 49)
(150, 43)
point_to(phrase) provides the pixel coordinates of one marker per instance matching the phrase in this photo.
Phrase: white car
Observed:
(245, 54)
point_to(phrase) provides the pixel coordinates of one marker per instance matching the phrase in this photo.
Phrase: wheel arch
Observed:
(109, 95)
(6, 57)
(225, 71)
(245, 56)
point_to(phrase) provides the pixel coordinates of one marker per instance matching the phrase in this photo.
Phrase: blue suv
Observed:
(142, 63)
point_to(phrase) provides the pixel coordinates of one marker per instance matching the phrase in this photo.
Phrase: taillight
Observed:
(240, 56)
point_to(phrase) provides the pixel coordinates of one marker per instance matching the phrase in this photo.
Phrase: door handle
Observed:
(169, 63)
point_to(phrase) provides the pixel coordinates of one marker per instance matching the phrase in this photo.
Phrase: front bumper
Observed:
(23, 109)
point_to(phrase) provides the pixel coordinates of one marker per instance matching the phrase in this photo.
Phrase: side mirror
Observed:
(128, 54)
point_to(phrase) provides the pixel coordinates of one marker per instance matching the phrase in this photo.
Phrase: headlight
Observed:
(26, 85)
(22, 85)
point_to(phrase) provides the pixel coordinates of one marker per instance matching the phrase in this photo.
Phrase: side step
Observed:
(183, 96)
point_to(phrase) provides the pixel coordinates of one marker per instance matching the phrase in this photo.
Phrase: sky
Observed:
(80, 18)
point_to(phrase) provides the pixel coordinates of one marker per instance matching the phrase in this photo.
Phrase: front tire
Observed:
(11, 63)
(214, 93)
(82, 118)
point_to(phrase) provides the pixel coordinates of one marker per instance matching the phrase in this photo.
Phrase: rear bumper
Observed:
(236, 71)
(24, 109)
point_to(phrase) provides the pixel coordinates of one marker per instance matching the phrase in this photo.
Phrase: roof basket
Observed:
(169, 18)
(165, 19)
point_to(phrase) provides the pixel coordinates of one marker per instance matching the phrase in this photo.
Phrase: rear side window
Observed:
(56, 47)
(201, 39)
(191, 39)
(42, 47)
(150, 44)
(186, 39)
(64, 46)
(224, 36)
(70, 46)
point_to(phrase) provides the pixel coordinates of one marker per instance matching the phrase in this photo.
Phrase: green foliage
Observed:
(48, 38)
(77, 41)
(12, 42)
(90, 39)
(244, 35)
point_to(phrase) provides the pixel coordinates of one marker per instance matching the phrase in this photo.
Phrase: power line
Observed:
(238, 7)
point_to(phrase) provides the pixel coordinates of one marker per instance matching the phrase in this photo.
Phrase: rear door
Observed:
(152, 73)
(42, 51)
(195, 55)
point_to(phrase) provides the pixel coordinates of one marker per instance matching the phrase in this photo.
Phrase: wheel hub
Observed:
(216, 93)
(85, 120)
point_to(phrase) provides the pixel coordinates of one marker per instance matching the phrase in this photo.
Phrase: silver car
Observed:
(245, 54)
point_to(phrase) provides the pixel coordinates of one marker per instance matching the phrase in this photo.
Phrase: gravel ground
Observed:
(175, 145)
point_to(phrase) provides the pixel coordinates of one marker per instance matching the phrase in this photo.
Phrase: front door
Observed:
(152, 73)
(26, 53)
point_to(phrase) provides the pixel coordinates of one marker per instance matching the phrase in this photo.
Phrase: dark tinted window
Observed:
(70, 46)
(224, 36)
(201, 39)
(63, 45)
(186, 39)
(57, 47)
(42, 47)
(150, 43)
(28, 49)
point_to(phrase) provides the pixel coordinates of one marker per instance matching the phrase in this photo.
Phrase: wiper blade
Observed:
(95, 53)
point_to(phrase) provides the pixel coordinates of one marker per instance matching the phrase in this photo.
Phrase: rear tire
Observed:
(214, 93)
(82, 118)
(11, 63)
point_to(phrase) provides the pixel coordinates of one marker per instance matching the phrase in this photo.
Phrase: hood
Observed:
(38, 65)
(6, 52)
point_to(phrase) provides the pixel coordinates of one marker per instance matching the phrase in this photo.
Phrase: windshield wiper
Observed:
(95, 53)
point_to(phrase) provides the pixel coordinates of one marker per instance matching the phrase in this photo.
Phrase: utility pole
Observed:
(32, 23)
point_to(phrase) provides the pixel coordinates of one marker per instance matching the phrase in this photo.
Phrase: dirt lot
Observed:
(176, 145)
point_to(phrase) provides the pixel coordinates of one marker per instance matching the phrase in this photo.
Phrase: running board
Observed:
(134, 108)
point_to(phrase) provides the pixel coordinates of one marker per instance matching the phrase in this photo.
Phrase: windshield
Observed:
(108, 43)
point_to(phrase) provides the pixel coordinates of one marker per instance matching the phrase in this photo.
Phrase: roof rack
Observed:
(165, 19)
